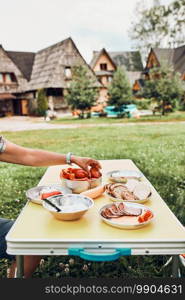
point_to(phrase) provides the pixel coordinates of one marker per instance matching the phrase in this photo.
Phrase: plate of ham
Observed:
(132, 191)
(126, 215)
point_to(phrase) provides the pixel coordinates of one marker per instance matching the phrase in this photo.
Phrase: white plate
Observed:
(33, 194)
(127, 226)
(121, 175)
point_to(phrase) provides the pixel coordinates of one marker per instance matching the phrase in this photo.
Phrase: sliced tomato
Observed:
(145, 217)
(46, 195)
(95, 173)
(79, 173)
(71, 176)
(141, 219)
(148, 215)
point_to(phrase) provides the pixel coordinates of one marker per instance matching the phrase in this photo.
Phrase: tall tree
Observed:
(119, 90)
(158, 26)
(164, 87)
(82, 93)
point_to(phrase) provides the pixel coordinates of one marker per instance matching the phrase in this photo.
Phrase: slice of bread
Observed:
(131, 184)
(142, 191)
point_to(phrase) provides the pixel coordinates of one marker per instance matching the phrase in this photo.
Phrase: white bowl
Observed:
(65, 214)
(79, 186)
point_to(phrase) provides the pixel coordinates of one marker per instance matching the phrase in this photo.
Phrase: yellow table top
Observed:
(37, 224)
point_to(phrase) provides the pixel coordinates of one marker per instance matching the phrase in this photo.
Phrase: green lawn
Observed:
(157, 150)
(171, 117)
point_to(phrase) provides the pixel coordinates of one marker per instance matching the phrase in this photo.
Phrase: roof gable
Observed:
(152, 60)
(49, 65)
(164, 55)
(7, 65)
(130, 60)
(179, 59)
(97, 55)
(174, 57)
(24, 61)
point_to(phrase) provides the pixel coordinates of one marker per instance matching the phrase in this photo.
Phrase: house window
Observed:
(103, 67)
(13, 77)
(1, 77)
(110, 79)
(67, 72)
(7, 78)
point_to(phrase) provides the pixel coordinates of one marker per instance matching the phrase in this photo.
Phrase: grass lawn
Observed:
(171, 117)
(157, 150)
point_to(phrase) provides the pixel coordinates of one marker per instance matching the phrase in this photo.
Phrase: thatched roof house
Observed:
(104, 64)
(51, 68)
(172, 57)
(15, 70)
(22, 74)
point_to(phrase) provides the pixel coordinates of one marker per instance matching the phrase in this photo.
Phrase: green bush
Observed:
(42, 103)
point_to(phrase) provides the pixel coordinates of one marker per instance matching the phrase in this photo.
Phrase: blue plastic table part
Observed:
(97, 256)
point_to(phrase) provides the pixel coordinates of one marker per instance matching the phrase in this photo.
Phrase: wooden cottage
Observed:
(22, 74)
(104, 64)
(15, 71)
(52, 72)
(172, 57)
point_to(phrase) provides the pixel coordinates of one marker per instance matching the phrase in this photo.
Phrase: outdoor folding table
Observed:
(37, 232)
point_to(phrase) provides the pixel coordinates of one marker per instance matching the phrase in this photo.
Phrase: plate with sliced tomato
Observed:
(38, 193)
(126, 215)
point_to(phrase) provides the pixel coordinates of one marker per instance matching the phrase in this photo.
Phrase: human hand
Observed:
(85, 162)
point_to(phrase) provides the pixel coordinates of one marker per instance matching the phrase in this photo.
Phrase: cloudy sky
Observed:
(30, 25)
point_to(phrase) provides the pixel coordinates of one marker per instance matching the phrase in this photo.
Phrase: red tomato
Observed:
(141, 219)
(46, 195)
(95, 173)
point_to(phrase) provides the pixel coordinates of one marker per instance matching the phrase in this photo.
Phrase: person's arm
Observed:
(38, 158)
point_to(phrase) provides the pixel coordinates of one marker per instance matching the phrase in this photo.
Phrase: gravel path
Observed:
(30, 123)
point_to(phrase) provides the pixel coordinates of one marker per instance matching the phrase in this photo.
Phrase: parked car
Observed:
(126, 110)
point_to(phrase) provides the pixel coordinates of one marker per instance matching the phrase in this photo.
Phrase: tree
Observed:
(82, 93)
(119, 91)
(158, 26)
(164, 87)
(42, 103)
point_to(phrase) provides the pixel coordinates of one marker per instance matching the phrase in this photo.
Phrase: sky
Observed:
(31, 25)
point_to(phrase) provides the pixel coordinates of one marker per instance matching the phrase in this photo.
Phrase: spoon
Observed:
(53, 205)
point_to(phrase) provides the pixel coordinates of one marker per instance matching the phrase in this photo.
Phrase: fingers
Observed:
(95, 163)
(86, 162)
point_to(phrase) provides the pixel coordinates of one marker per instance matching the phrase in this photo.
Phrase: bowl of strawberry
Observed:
(78, 180)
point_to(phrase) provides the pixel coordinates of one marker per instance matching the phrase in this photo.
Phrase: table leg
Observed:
(20, 266)
(175, 266)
